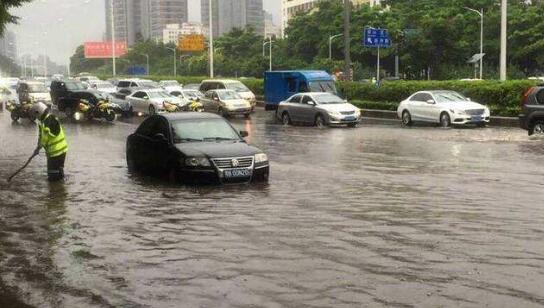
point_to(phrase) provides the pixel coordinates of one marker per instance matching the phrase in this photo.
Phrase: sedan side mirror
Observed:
(244, 133)
(146, 97)
(216, 99)
(160, 137)
(431, 102)
(469, 99)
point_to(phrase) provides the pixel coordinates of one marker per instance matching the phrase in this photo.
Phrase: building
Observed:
(289, 8)
(157, 14)
(172, 32)
(270, 28)
(8, 45)
(135, 20)
(230, 14)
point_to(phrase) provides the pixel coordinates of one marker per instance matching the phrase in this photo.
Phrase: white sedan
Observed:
(152, 101)
(443, 107)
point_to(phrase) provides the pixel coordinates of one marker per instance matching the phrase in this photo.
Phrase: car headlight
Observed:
(458, 111)
(335, 113)
(261, 158)
(197, 162)
(357, 113)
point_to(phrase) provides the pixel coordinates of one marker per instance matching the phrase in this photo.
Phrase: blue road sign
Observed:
(376, 38)
(137, 70)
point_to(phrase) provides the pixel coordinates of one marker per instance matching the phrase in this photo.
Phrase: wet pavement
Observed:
(367, 217)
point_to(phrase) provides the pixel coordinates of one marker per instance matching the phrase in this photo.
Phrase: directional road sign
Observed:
(376, 38)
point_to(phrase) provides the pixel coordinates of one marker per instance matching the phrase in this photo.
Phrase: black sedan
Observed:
(195, 147)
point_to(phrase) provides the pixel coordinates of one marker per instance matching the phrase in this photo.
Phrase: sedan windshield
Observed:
(203, 130)
(37, 88)
(327, 98)
(74, 86)
(193, 94)
(170, 83)
(159, 95)
(323, 86)
(226, 95)
(448, 97)
(237, 86)
(104, 85)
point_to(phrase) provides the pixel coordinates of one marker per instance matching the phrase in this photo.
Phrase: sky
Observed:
(57, 27)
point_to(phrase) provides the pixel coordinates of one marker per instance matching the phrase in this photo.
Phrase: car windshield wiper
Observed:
(220, 139)
(179, 140)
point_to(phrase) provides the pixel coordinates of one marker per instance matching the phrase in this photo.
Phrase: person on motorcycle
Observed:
(51, 138)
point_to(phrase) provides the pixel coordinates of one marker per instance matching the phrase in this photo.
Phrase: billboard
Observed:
(192, 42)
(102, 50)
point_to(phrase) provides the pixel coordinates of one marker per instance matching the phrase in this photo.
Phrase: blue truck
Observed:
(280, 85)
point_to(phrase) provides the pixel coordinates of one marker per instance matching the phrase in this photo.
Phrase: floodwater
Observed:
(367, 217)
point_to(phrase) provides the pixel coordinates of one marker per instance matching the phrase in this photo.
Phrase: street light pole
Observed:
(211, 37)
(347, 39)
(175, 60)
(147, 63)
(269, 52)
(332, 37)
(504, 18)
(113, 38)
(481, 13)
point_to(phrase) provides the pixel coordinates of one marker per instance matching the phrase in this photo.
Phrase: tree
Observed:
(5, 16)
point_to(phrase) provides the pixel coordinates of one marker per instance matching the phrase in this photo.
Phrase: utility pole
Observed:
(504, 19)
(113, 38)
(332, 37)
(347, 39)
(481, 13)
(269, 53)
(211, 36)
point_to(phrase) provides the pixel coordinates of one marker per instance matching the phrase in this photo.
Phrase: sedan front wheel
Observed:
(445, 120)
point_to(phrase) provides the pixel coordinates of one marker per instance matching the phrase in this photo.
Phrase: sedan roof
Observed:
(190, 116)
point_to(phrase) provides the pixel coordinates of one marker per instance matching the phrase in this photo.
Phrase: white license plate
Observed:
(476, 118)
(237, 173)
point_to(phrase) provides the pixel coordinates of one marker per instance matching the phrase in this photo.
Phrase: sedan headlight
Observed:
(357, 113)
(261, 158)
(197, 162)
(335, 113)
(458, 111)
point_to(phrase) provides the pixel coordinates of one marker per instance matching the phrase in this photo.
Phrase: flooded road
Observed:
(367, 217)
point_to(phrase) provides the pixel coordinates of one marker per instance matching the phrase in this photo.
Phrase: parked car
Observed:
(531, 117)
(195, 147)
(189, 95)
(170, 85)
(443, 107)
(103, 86)
(319, 109)
(129, 86)
(62, 88)
(226, 103)
(30, 91)
(152, 101)
(8, 93)
(228, 84)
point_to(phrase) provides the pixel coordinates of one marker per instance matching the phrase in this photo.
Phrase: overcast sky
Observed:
(57, 27)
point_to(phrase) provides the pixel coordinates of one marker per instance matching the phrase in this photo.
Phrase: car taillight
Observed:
(525, 97)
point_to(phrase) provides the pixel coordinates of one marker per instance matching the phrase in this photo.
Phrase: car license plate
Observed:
(349, 119)
(237, 173)
(476, 118)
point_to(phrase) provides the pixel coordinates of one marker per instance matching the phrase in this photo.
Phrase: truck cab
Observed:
(280, 85)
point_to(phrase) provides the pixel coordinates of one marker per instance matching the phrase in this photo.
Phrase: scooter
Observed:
(19, 111)
(170, 107)
(103, 109)
(193, 106)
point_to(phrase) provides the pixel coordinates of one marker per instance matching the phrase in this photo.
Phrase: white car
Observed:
(226, 103)
(103, 86)
(319, 109)
(152, 101)
(229, 84)
(443, 107)
(170, 85)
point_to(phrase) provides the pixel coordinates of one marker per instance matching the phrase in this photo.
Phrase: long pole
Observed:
(332, 37)
(378, 67)
(481, 43)
(504, 11)
(347, 39)
(211, 36)
(175, 63)
(113, 39)
(147, 64)
(270, 52)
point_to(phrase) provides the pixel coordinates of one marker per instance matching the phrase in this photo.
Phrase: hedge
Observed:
(503, 98)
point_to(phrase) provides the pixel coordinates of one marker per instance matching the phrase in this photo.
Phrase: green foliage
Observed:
(79, 64)
(5, 16)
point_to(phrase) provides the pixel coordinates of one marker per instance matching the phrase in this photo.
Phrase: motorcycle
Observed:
(193, 106)
(103, 109)
(19, 111)
(171, 107)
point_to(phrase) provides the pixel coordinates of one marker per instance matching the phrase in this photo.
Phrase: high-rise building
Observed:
(143, 19)
(289, 8)
(156, 14)
(230, 14)
(8, 45)
(270, 28)
(172, 32)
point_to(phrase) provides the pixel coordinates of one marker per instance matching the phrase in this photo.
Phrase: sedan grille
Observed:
(231, 163)
(347, 112)
(475, 111)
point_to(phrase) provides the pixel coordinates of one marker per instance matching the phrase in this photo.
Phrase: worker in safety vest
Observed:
(52, 140)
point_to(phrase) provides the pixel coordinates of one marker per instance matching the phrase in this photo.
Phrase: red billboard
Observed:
(101, 50)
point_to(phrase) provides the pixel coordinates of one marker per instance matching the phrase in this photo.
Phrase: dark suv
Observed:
(531, 117)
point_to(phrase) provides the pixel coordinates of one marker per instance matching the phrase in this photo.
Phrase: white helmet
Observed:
(38, 110)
